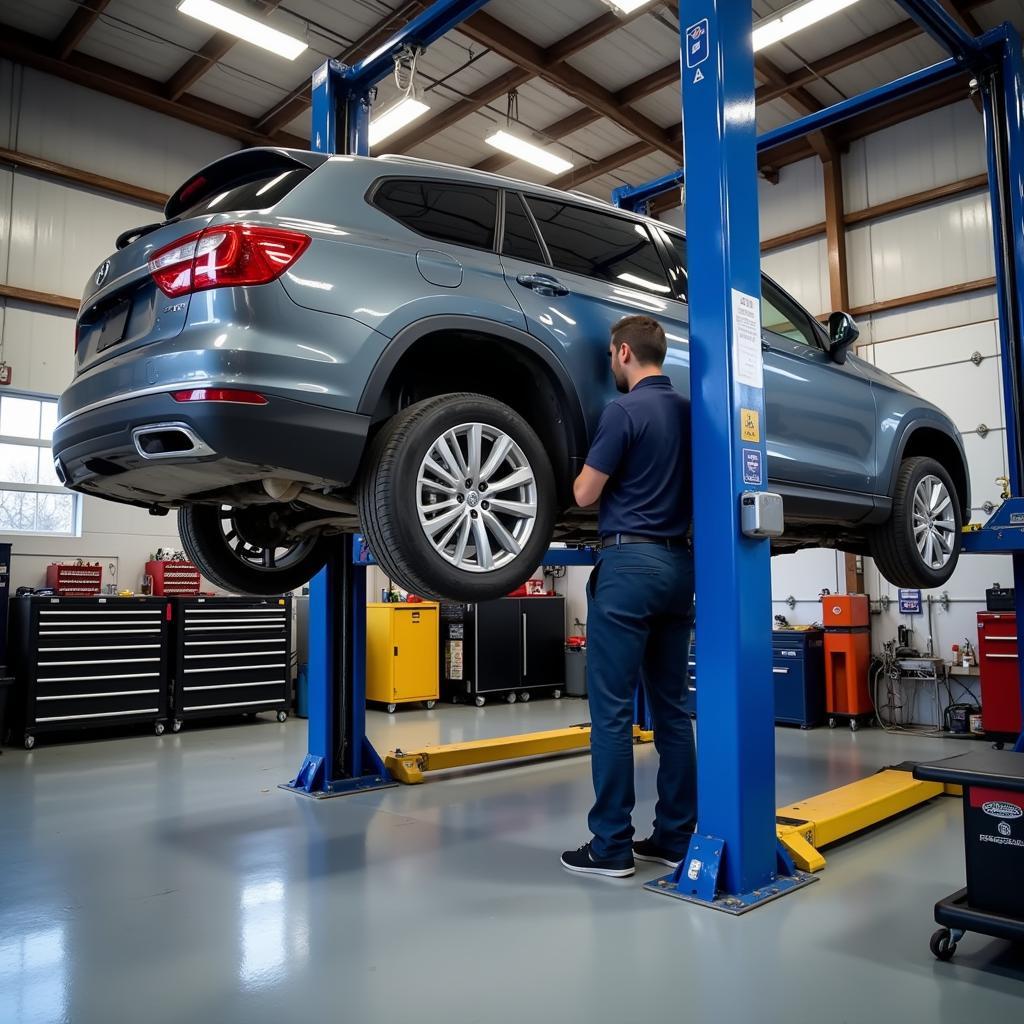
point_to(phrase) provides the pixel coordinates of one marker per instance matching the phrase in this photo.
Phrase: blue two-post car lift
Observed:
(736, 861)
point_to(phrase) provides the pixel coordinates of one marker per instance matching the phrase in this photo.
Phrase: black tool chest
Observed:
(232, 656)
(88, 662)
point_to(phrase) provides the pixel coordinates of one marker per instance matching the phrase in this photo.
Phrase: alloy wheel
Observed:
(257, 540)
(934, 522)
(476, 496)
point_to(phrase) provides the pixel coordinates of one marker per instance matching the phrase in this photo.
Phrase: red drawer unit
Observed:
(174, 579)
(1000, 679)
(75, 580)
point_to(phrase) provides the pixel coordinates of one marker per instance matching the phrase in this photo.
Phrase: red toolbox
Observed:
(1000, 679)
(75, 580)
(174, 579)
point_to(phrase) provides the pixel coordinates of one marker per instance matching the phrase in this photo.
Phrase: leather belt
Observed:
(611, 540)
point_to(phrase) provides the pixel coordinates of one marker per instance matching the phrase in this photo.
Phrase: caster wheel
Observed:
(511, 698)
(557, 694)
(391, 708)
(524, 697)
(30, 742)
(480, 701)
(1000, 745)
(942, 945)
(282, 716)
(854, 725)
(429, 705)
(832, 723)
(159, 728)
(176, 725)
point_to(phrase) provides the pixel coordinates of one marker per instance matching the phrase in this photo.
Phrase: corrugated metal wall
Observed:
(52, 237)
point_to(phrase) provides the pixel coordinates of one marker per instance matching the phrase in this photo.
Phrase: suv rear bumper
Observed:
(97, 453)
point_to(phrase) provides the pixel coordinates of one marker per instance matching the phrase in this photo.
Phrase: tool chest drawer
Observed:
(1000, 679)
(232, 656)
(89, 662)
(798, 671)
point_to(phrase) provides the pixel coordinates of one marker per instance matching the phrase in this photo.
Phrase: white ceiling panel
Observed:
(642, 46)
(663, 107)
(43, 18)
(545, 22)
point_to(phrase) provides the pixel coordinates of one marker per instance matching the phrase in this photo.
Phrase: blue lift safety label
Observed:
(910, 602)
(752, 467)
(697, 45)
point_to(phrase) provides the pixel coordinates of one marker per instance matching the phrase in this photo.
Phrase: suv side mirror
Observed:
(842, 332)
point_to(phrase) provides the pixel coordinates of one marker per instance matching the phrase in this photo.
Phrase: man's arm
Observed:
(588, 486)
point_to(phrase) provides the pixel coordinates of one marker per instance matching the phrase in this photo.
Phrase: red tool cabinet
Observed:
(1000, 680)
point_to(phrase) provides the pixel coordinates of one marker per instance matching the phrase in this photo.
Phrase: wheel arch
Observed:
(928, 437)
(427, 358)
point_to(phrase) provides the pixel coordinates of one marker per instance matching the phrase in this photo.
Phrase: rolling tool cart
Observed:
(232, 657)
(88, 662)
(993, 901)
(1000, 681)
(509, 649)
(798, 668)
(401, 653)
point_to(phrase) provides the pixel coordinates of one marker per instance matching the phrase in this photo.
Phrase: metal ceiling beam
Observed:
(91, 73)
(199, 63)
(487, 30)
(553, 55)
(578, 176)
(77, 25)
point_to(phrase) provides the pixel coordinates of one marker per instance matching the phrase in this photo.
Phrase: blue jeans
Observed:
(640, 611)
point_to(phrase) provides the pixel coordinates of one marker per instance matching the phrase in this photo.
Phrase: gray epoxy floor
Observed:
(146, 879)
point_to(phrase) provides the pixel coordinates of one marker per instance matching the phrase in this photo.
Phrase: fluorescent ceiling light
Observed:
(245, 28)
(523, 150)
(394, 120)
(628, 6)
(794, 19)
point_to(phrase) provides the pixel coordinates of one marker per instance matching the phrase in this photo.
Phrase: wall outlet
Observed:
(6, 373)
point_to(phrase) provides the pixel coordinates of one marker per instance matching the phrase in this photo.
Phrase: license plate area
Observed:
(114, 324)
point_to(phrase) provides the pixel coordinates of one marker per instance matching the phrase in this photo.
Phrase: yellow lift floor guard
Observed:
(409, 766)
(804, 828)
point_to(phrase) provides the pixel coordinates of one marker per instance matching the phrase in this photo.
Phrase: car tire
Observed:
(224, 564)
(894, 545)
(395, 512)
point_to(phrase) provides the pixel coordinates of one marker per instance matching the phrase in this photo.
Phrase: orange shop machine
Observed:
(847, 620)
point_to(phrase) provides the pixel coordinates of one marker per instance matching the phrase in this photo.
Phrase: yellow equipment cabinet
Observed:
(402, 664)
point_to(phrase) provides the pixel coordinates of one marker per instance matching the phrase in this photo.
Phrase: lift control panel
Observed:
(761, 514)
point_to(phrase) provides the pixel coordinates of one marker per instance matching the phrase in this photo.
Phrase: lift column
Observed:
(733, 862)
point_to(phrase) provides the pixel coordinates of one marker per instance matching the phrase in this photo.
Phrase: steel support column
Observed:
(732, 863)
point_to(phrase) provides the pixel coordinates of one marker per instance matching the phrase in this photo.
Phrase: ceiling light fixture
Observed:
(523, 150)
(628, 6)
(794, 19)
(396, 118)
(247, 29)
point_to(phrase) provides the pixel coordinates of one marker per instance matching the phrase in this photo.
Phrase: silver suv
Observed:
(312, 345)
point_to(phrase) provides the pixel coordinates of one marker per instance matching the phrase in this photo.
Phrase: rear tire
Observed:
(224, 565)
(398, 494)
(894, 545)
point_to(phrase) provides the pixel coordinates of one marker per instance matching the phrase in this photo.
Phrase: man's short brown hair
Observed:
(645, 336)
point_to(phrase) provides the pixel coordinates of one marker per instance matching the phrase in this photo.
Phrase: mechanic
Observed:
(640, 605)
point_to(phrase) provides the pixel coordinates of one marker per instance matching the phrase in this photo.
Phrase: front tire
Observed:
(458, 498)
(918, 546)
(245, 551)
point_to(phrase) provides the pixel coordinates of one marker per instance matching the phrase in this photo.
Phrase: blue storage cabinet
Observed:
(798, 669)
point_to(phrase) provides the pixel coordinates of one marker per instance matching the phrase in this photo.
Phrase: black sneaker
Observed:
(584, 862)
(647, 849)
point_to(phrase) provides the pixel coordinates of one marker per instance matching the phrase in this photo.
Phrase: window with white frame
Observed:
(32, 499)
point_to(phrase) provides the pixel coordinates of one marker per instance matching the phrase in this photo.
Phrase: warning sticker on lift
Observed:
(697, 48)
(750, 425)
(747, 365)
(752, 466)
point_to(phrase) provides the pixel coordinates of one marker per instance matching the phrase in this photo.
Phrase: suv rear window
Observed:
(257, 190)
(600, 245)
(461, 214)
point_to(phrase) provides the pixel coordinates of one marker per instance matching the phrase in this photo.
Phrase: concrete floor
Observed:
(146, 879)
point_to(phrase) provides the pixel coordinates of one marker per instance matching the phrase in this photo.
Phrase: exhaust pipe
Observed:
(169, 441)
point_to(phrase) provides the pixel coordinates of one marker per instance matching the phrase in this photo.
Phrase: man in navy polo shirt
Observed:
(640, 605)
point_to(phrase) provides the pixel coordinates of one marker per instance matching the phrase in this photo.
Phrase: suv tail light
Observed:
(229, 255)
(219, 395)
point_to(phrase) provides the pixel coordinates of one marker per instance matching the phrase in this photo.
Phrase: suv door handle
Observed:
(543, 284)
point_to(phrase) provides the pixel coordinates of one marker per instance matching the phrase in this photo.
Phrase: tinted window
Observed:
(259, 192)
(462, 214)
(520, 240)
(678, 246)
(600, 245)
(781, 315)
